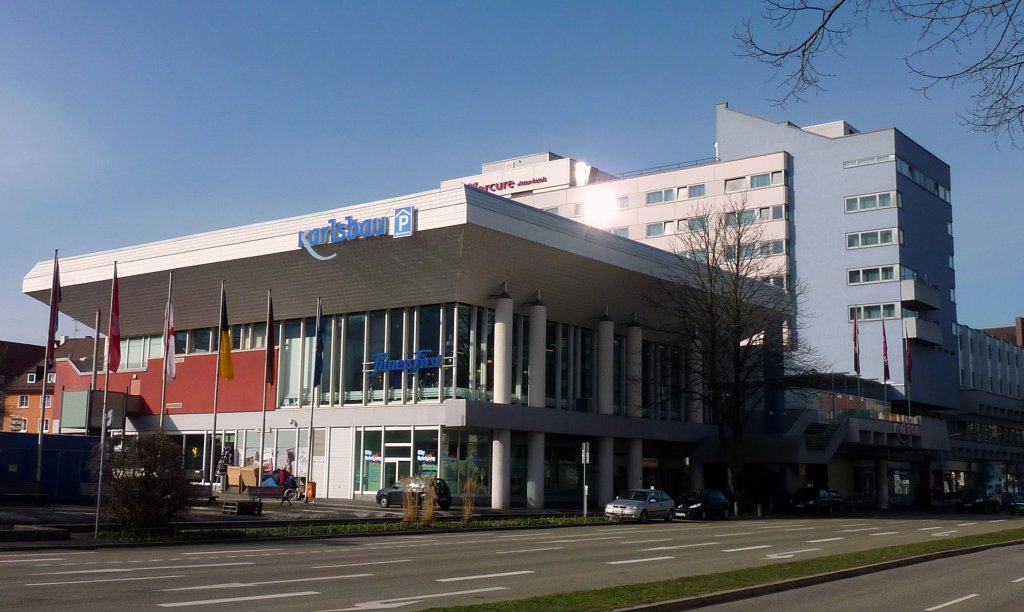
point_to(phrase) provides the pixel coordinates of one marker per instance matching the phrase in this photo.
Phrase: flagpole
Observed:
(216, 386)
(269, 339)
(47, 353)
(167, 354)
(103, 415)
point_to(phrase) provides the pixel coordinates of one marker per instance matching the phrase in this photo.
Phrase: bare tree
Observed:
(735, 309)
(987, 36)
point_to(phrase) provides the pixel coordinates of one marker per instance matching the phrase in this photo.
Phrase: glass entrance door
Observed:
(395, 470)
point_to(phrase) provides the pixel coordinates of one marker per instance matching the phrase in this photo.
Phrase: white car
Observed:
(640, 505)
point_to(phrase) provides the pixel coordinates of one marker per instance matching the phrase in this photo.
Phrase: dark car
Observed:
(1017, 504)
(978, 500)
(816, 501)
(702, 504)
(393, 495)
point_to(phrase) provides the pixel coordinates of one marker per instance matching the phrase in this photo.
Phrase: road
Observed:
(992, 580)
(411, 572)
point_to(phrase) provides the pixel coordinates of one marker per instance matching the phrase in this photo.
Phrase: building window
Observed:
(622, 202)
(867, 161)
(30, 377)
(777, 281)
(199, 340)
(579, 209)
(693, 224)
(661, 196)
(620, 231)
(771, 213)
(48, 401)
(51, 377)
(949, 227)
(695, 191)
(872, 201)
(858, 240)
(767, 179)
(741, 217)
(872, 312)
(923, 180)
(951, 267)
(736, 184)
(22, 401)
(46, 424)
(876, 274)
(657, 229)
(551, 209)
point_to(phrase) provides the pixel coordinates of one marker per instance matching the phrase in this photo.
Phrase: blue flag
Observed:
(318, 357)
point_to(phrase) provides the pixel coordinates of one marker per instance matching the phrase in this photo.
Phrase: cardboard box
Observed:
(242, 477)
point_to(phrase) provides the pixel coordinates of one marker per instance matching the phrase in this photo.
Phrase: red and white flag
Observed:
(885, 355)
(168, 338)
(114, 328)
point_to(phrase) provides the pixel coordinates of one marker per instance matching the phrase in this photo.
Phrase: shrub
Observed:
(429, 509)
(470, 487)
(144, 481)
(410, 501)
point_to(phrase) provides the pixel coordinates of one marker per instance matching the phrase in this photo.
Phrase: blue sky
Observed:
(128, 122)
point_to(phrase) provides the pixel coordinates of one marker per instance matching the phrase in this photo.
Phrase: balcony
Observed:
(917, 294)
(925, 331)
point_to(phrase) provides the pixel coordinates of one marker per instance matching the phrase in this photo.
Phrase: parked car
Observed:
(702, 504)
(1017, 504)
(640, 505)
(978, 500)
(816, 501)
(393, 495)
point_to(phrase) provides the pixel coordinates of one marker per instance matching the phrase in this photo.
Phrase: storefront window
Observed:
(325, 381)
(425, 452)
(466, 457)
(464, 352)
(551, 365)
(290, 362)
(355, 329)
(372, 460)
(378, 325)
(429, 339)
(308, 346)
(396, 326)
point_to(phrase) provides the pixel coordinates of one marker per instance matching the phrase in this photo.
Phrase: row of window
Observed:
(876, 274)
(871, 238)
(873, 201)
(873, 312)
(697, 224)
(664, 196)
(23, 401)
(922, 179)
(32, 377)
(755, 181)
(758, 249)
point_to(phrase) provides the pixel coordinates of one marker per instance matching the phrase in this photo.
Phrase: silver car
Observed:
(640, 505)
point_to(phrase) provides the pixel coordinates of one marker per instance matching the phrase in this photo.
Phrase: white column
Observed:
(605, 365)
(635, 464)
(503, 350)
(605, 470)
(538, 352)
(501, 457)
(634, 370)
(535, 470)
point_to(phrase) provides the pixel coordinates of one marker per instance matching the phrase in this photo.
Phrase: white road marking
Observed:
(856, 530)
(727, 535)
(358, 564)
(234, 599)
(31, 560)
(527, 550)
(482, 576)
(729, 550)
(143, 569)
(927, 528)
(789, 554)
(944, 533)
(645, 541)
(45, 554)
(884, 533)
(102, 580)
(679, 546)
(240, 585)
(778, 527)
(382, 604)
(567, 541)
(965, 524)
(801, 529)
(638, 560)
(1018, 580)
(854, 525)
(224, 552)
(998, 521)
(824, 540)
(950, 603)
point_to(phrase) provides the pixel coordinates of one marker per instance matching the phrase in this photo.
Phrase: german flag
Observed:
(226, 371)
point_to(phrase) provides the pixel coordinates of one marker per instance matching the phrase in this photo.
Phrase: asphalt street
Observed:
(416, 571)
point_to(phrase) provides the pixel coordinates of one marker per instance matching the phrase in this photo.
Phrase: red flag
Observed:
(114, 328)
(51, 336)
(169, 363)
(885, 355)
(856, 345)
(906, 356)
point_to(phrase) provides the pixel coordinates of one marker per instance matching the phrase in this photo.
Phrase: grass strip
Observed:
(693, 586)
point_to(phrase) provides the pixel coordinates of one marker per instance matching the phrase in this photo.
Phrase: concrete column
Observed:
(605, 471)
(635, 464)
(535, 470)
(503, 350)
(605, 365)
(696, 475)
(538, 353)
(882, 483)
(501, 458)
(634, 371)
